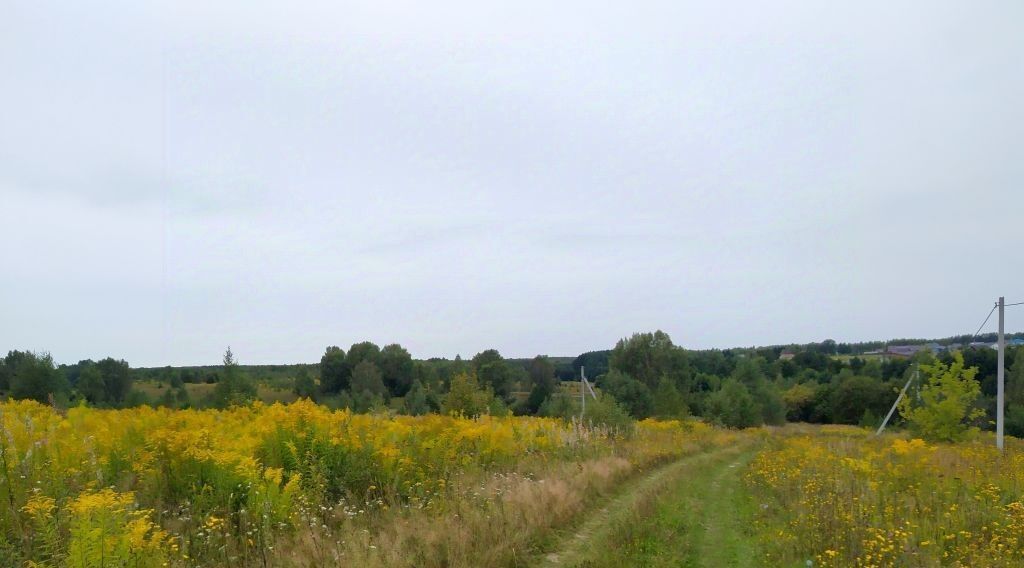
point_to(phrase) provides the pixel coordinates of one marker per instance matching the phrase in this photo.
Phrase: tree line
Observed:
(35, 376)
(644, 375)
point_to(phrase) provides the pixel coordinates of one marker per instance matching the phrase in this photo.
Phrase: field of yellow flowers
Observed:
(302, 485)
(836, 497)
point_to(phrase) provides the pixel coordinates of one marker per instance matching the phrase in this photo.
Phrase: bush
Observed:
(37, 378)
(632, 394)
(799, 401)
(668, 401)
(465, 396)
(304, 385)
(604, 411)
(946, 401)
(733, 406)
(416, 402)
(769, 401)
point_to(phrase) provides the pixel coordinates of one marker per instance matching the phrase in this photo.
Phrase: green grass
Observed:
(847, 358)
(695, 513)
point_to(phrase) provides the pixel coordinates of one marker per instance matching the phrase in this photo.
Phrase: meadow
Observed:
(836, 496)
(302, 485)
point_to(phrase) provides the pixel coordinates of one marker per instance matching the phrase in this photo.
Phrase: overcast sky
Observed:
(539, 177)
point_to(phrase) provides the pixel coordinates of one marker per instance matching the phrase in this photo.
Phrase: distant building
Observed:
(876, 354)
(786, 355)
(1015, 342)
(904, 351)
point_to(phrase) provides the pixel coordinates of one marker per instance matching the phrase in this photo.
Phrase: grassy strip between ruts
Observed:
(693, 512)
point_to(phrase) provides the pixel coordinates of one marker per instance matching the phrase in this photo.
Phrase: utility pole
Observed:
(583, 392)
(892, 410)
(1000, 377)
(584, 387)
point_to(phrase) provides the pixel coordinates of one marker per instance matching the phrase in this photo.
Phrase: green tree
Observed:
(668, 401)
(304, 385)
(632, 394)
(799, 401)
(335, 372)
(72, 372)
(647, 357)
(90, 384)
(542, 376)
(366, 400)
(769, 401)
(174, 378)
(7, 366)
(416, 402)
(465, 396)
(364, 351)
(1015, 378)
(1015, 394)
(868, 419)
(604, 411)
(181, 395)
(366, 377)
(733, 406)
(493, 372)
(234, 388)
(338, 401)
(396, 369)
(495, 406)
(595, 363)
(749, 371)
(117, 379)
(168, 399)
(856, 394)
(427, 374)
(946, 401)
(36, 377)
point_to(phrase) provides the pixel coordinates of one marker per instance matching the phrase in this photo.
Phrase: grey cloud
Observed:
(534, 177)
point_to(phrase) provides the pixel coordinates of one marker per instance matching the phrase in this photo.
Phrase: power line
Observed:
(986, 321)
(1000, 400)
(1014, 304)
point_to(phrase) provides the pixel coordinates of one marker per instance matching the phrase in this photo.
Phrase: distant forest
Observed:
(645, 375)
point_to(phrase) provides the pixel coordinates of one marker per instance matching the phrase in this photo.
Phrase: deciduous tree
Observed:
(946, 401)
(335, 373)
(396, 369)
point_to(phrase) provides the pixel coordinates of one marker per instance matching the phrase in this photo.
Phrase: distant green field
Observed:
(846, 358)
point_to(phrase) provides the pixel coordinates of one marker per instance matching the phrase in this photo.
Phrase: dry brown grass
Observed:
(496, 520)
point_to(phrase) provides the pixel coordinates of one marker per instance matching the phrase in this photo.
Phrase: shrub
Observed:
(946, 401)
(733, 406)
